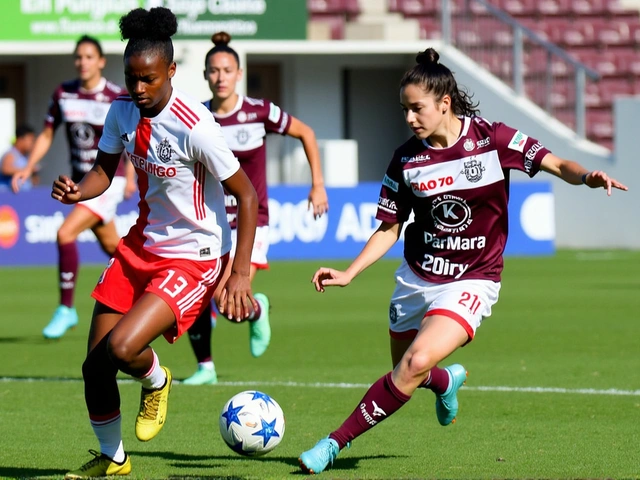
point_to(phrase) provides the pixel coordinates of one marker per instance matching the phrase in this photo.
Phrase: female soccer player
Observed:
(245, 123)
(165, 270)
(454, 175)
(82, 105)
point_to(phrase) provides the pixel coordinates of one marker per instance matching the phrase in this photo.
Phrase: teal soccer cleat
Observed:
(319, 457)
(260, 330)
(203, 376)
(447, 403)
(63, 319)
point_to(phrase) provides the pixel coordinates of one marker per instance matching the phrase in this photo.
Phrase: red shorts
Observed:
(185, 285)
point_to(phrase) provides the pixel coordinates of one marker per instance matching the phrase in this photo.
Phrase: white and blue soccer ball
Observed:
(252, 423)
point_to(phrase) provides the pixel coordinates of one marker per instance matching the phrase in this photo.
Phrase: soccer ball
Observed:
(252, 423)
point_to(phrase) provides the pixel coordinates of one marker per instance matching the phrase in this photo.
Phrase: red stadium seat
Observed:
(349, 7)
(336, 23)
(582, 8)
(553, 7)
(415, 7)
(600, 124)
(430, 28)
(519, 8)
(614, 87)
(615, 32)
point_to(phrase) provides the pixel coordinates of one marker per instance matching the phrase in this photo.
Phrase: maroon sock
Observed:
(437, 381)
(381, 400)
(68, 272)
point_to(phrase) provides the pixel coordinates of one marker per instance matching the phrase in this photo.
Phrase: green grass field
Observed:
(569, 323)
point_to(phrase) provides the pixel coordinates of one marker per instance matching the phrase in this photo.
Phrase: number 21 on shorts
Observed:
(470, 301)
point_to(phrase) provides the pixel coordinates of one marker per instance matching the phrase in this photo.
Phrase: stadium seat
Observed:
(614, 32)
(430, 28)
(546, 8)
(336, 23)
(349, 7)
(599, 124)
(611, 88)
(582, 8)
(415, 7)
(518, 8)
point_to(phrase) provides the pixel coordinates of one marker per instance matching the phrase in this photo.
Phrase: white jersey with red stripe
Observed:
(181, 158)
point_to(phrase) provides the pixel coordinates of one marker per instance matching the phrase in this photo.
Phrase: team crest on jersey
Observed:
(473, 170)
(469, 145)
(242, 136)
(242, 116)
(395, 312)
(164, 151)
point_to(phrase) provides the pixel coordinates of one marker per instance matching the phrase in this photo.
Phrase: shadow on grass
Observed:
(26, 472)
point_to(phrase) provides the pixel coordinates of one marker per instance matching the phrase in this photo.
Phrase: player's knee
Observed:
(122, 354)
(419, 363)
(65, 235)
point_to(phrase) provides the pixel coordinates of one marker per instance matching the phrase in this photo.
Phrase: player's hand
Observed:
(318, 200)
(236, 300)
(598, 179)
(19, 178)
(65, 190)
(326, 277)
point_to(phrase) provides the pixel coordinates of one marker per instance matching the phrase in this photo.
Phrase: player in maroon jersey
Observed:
(453, 174)
(245, 123)
(165, 270)
(81, 105)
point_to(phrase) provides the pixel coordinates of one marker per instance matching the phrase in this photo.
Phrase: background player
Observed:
(164, 271)
(82, 105)
(245, 123)
(454, 175)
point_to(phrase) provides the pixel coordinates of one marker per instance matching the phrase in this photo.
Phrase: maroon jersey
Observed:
(83, 113)
(245, 129)
(459, 198)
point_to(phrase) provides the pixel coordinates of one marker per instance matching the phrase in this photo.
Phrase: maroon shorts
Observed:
(186, 285)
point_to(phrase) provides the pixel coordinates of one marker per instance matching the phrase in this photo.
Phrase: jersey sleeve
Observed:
(207, 145)
(276, 120)
(110, 141)
(394, 201)
(518, 151)
(53, 117)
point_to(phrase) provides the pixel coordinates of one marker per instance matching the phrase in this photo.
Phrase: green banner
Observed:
(40, 20)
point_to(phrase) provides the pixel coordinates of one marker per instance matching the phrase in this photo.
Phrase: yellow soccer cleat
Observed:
(100, 466)
(153, 410)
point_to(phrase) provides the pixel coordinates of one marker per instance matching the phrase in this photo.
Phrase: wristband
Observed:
(584, 178)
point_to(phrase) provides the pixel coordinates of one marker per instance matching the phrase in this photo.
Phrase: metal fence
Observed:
(531, 65)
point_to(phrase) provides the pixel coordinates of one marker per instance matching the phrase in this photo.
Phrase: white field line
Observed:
(565, 391)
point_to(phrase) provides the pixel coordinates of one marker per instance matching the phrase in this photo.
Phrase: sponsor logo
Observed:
(152, 168)
(387, 204)
(431, 184)
(368, 418)
(242, 136)
(9, 227)
(205, 252)
(83, 135)
(530, 155)
(451, 213)
(473, 170)
(395, 312)
(242, 117)
(164, 151)
(442, 266)
(469, 145)
(274, 113)
(393, 185)
(252, 116)
(483, 143)
(415, 159)
(454, 243)
(125, 137)
(377, 411)
(518, 141)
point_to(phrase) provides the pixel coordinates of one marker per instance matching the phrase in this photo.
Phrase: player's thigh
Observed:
(78, 220)
(104, 319)
(107, 236)
(398, 347)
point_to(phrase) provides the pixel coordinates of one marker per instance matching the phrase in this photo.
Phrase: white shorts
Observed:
(465, 301)
(106, 204)
(260, 247)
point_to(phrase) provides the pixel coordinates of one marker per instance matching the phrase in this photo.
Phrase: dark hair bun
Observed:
(428, 57)
(159, 23)
(221, 39)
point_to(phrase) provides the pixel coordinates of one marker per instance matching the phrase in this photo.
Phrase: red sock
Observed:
(68, 271)
(437, 381)
(381, 400)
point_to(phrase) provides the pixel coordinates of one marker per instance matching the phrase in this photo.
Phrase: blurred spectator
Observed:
(16, 158)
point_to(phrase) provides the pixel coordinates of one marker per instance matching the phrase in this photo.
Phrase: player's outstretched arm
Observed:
(378, 244)
(575, 174)
(317, 195)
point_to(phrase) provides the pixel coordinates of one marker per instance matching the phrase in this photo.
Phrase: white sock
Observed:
(155, 377)
(109, 433)
(208, 365)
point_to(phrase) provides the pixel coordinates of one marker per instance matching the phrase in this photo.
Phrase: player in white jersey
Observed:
(81, 106)
(453, 175)
(245, 124)
(165, 270)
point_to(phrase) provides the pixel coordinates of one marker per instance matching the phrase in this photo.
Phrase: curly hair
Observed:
(149, 31)
(437, 79)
